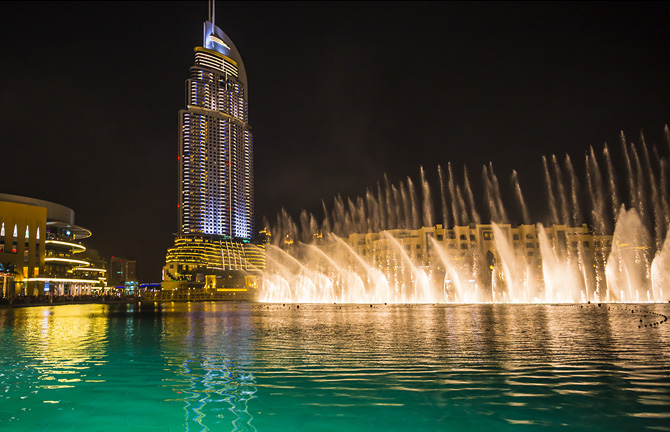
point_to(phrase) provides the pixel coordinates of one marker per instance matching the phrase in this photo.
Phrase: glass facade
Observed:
(215, 143)
(216, 185)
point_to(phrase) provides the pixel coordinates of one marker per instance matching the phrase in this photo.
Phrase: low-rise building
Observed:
(478, 248)
(41, 242)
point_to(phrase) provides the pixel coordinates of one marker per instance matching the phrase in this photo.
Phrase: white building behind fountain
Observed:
(471, 263)
(604, 238)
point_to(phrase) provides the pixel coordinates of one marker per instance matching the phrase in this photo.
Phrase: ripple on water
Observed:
(224, 367)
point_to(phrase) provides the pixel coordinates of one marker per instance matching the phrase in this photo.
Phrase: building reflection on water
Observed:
(62, 345)
(212, 353)
(247, 367)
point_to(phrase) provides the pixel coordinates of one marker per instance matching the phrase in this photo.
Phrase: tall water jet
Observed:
(407, 213)
(562, 283)
(389, 204)
(338, 215)
(461, 204)
(611, 182)
(628, 264)
(660, 276)
(445, 212)
(420, 291)
(489, 194)
(304, 227)
(373, 217)
(630, 175)
(640, 204)
(665, 201)
(562, 196)
(353, 219)
(550, 192)
(427, 201)
(455, 213)
(459, 285)
(655, 205)
(574, 193)
(398, 207)
(416, 220)
(497, 194)
(519, 198)
(326, 227)
(515, 287)
(594, 181)
(474, 214)
(380, 287)
(600, 192)
(383, 245)
(383, 224)
(352, 289)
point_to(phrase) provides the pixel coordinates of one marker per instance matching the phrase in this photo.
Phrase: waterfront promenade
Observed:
(166, 296)
(45, 300)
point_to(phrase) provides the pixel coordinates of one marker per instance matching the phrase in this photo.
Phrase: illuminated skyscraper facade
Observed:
(216, 185)
(216, 191)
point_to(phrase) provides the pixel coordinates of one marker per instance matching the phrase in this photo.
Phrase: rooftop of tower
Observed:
(216, 40)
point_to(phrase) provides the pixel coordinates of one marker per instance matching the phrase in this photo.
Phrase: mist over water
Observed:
(601, 237)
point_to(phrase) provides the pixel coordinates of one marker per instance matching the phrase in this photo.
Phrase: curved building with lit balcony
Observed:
(46, 258)
(216, 187)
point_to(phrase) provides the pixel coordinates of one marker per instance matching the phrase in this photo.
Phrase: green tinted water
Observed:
(221, 367)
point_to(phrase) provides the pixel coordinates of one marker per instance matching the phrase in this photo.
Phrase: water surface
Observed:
(273, 367)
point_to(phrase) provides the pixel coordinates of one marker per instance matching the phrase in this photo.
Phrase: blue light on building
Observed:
(216, 192)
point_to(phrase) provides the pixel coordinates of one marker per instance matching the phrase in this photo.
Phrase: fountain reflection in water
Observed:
(604, 241)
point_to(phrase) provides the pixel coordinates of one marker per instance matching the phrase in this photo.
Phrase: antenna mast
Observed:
(212, 11)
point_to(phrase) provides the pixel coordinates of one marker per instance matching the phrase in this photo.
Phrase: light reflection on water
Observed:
(247, 367)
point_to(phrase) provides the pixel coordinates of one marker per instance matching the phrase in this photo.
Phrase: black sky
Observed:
(340, 93)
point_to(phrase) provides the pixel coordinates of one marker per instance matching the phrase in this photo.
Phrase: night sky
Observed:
(339, 94)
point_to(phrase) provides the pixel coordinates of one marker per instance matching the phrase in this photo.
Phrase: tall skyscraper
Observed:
(216, 184)
(216, 190)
